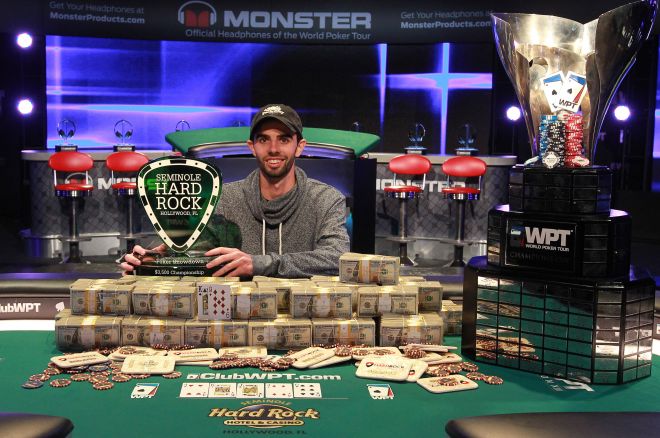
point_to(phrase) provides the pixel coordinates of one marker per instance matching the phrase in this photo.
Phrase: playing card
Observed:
(279, 390)
(222, 390)
(380, 392)
(552, 86)
(250, 390)
(144, 390)
(307, 390)
(572, 92)
(213, 302)
(194, 390)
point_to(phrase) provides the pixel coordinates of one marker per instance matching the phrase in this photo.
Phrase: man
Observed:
(289, 225)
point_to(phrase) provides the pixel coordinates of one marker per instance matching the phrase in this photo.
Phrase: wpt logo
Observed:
(546, 236)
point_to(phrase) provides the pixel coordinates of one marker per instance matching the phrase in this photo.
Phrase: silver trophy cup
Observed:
(532, 47)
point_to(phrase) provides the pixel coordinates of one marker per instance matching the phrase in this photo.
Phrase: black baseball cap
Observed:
(283, 113)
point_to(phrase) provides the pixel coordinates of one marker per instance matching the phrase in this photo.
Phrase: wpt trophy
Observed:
(179, 196)
(556, 294)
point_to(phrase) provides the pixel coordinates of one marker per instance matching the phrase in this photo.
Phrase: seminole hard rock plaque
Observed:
(179, 196)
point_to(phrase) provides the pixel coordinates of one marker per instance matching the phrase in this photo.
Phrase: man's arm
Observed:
(331, 242)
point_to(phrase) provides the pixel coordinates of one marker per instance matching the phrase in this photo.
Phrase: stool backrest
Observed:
(70, 162)
(464, 167)
(409, 164)
(126, 161)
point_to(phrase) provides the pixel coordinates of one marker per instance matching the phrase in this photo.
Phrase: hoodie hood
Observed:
(278, 210)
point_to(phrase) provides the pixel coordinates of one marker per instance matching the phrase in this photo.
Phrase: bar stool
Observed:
(414, 165)
(128, 162)
(72, 190)
(463, 167)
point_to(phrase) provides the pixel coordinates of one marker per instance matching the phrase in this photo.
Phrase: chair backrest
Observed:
(126, 161)
(70, 161)
(464, 167)
(409, 164)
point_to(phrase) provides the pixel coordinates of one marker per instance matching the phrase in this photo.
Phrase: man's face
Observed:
(276, 149)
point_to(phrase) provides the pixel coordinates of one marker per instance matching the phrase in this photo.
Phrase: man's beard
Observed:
(276, 174)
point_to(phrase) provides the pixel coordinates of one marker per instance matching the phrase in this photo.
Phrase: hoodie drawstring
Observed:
(263, 237)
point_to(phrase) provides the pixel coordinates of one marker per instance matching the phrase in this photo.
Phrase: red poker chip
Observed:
(140, 376)
(60, 383)
(172, 375)
(493, 380)
(121, 377)
(103, 386)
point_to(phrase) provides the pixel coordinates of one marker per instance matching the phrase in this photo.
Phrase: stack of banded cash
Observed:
(351, 331)
(149, 331)
(429, 293)
(401, 330)
(321, 302)
(368, 269)
(100, 297)
(283, 333)
(166, 298)
(283, 287)
(215, 334)
(85, 332)
(387, 300)
(452, 315)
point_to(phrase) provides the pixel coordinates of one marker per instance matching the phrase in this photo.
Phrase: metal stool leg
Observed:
(403, 236)
(74, 248)
(130, 243)
(460, 235)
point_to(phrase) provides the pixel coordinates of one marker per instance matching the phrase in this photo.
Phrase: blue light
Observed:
(382, 82)
(442, 82)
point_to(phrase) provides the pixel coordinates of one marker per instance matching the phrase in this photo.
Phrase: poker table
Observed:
(332, 143)
(345, 409)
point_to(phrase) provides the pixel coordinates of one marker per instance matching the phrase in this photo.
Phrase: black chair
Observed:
(21, 425)
(557, 425)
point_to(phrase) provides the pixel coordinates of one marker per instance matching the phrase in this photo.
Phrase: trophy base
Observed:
(166, 264)
(585, 190)
(591, 330)
(581, 245)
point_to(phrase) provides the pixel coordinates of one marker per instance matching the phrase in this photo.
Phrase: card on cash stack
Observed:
(213, 302)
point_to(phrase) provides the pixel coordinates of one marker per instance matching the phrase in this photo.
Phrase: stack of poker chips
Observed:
(552, 140)
(573, 128)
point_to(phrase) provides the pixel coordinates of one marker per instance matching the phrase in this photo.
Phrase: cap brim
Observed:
(279, 119)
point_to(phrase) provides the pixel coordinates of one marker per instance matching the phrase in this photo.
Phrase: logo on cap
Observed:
(272, 110)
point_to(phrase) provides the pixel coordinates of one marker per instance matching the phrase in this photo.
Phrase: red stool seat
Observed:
(403, 189)
(70, 187)
(461, 191)
(126, 185)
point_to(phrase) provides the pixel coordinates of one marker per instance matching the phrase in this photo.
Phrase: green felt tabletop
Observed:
(346, 408)
(359, 142)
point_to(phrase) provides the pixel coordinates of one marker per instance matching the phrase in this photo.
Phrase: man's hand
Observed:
(130, 261)
(236, 262)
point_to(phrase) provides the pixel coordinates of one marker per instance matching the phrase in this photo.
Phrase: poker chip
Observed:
(229, 356)
(415, 353)
(140, 376)
(156, 347)
(343, 351)
(41, 377)
(172, 375)
(100, 373)
(448, 381)
(469, 367)
(81, 377)
(476, 376)
(78, 369)
(103, 386)
(222, 365)
(437, 372)
(130, 350)
(52, 371)
(453, 368)
(493, 380)
(98, 378)
(60, 383)
(33, 384)
(97, 368)
(121, 377)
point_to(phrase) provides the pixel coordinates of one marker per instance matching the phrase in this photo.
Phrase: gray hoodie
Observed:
(300, 234)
